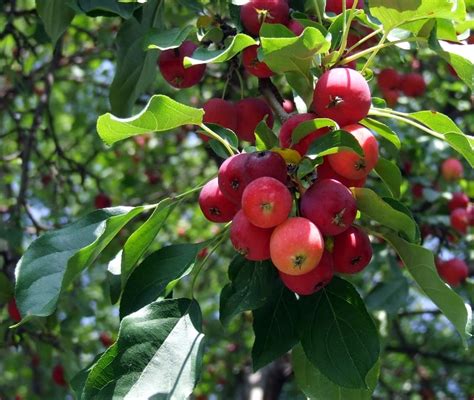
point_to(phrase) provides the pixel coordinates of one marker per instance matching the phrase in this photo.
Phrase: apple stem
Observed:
(273, 97)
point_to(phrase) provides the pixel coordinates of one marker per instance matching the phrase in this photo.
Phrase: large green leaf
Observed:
(420, 263)
(52, 261)
(56, 17)
(337, 334)
(275, 326)
(390, 175)
(169, 39)
(106, 8)
(383, 130)
(462, 61)
(251, 285)
(157, 355)
(152, 276)
(305, 128)
(317, 387)
(333, 142)
(160, 114)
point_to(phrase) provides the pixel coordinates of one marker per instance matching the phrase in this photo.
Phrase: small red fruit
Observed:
(459, 200)
(153, 177)
(453, 271)
(460, 220)
(330, 206)
(351, 165)
(232, 177)
(105, 339)
(296, 246)
(391, 96)
(249, 113)
(252, 65)
(220, 112)
(266, 163)
(266, 202)
(215, 206)
(171, 66)
(389, 79)
(325, 171)
(335, 6)
(250, 241)
(316, 279)
(452, 169)
(343, 95)
(255, 12)
(413, 84)
(102, 201)
(288, 106)
(417, 190)
(352, 251)
(296, 27)
(58, 375)
(203, 253)
(13, 311)
(46, 179)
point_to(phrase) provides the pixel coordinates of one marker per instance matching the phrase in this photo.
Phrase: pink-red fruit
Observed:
(352, 251)
(249, 113)
(102, 201)
(220, 112)
(325, 171)
(296, 27)
(452, 169)
(453, 271)
(413, 84)
(255, 12)
(389, 79)
(58, 375)
(252, 65)
(459, 200)
(335, 6)
(214, 205)
(460, 220)
(232, 177)
(266, 163)
(13, 311)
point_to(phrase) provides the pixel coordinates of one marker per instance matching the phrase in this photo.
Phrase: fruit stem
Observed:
(270, 92)
(230, 149)
(374, 53)
(346, 27)
(364, 39)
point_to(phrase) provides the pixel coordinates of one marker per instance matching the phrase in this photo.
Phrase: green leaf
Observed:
(160, 114)
(226, 134)
(107, 8)
(305, 128)
(390, 175)
(56, 17)
(317, 387)
(337, 334)
(53, 260)
(389, 295)
(276, 327)
(333, 142)
(383, 130)
(202, 56)
(420, 263)
(463, 66)
(169, 39)
(141, 239)
(374, 207)
(251, 285)
(265, 138)
(161, 340)
(302, 85)
(6, 289)
(151, 277)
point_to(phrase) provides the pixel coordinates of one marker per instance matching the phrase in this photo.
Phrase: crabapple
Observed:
(215, 206)
(266, 163)
(452, 271)
(13, 311)
(325, 171)
(250, 112)
(288, 106)
(171, 66)
(452, 169)
(266, 202)
(102, 201)
(391, 96)
(417, 190)
(105, 339)
(286, 131)
(249, 240)
(352, 251)
(296, 27)
(413, 84)
(255, 12)
(460, 220)
(459, 200)
(343, 95)
(350, 164)
(296, 246)
(232, 177)
(389, 79)
(314, 280)
(252, 65)
(335, 6)
(220, 112)
(470, 211)
(329, 205)
(58, 375)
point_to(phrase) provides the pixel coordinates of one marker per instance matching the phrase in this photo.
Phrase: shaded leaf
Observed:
(390, 175)
(56, 17)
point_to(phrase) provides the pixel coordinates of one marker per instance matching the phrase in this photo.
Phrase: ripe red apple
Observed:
(389, 79)
(459, 200)
(105, 339)
(58, 375)
(329, 205)
(348, 163)
(417, 190)
(46, 179)
(203, 253)
(413, 84)
(452, 169)
(296, 27)
(296, 246)
(153, 177)
(232, 177)
(102, 201)
(220, 112)
(250, 241)
(352, 251)
(460, 220)
(266, 163)
(343, 95)
(316, 279)
(214, 205)
(252, 65)
(391, 97)
(250, 112)
(325, 171)
(335, 6)
(286, 131)
(13, 311)
(453, 271)
(255, 12)
(171, 66)
(288, 106)
(266, 202)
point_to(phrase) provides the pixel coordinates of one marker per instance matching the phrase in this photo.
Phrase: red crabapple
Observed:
(102, 201)
(249, 113)
(314, 280)
(335, 6)
(452, 169)
(391, 96)
(459, 200)
(13, 311)
(220, 112)
(288, 106)
(352, 251)
(453, 271)
(343, 95)
(255, 12)
(351, 165)
(214, 205)
(389, 79)
(253, 66)
(105, 339)
(250, 241)
(330, 206)
(413, 84)
(296, 246)
(325, 171)
(266, 202)
(172, 68)
(417, 190)
(266, 163)
(460, 220)
(296, 27)
(58, 375)
(232, 177)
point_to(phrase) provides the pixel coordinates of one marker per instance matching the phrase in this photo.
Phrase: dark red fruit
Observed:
(325, 171)
(413, 84)
(252, 65)
(153, 177)
(343, 95)
(452, 169)
(220, 112)
(335, 6)
(391, 96)
(250, 241)
(249, 113)
(389, 79)
(255, 12)
(13, 311)
(232, 177)
(102, 201)
(453, 271)
(266, 163)
(459, 200)
(296, 27)
(417, 190)
(58, 375)
(316, 279)
(171, 66)
(460, 220)
(215, 206)
(352, 251)
(330, 206)
(288, 106)
(105, 339)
